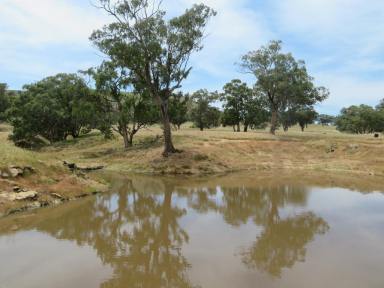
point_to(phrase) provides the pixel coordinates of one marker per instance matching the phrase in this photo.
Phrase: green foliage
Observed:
(203, 114)
(326, 119)
(117, 106)
(49, 109)
(360, 120)
(281, 80)
(306, 116)
(153, 48)
(178, 109)
(4, 101)
(242, 105)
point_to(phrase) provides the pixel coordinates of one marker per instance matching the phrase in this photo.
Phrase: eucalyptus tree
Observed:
(305, 116)
(120, 107)
(281, 79)
(155, 49)
(203, 114)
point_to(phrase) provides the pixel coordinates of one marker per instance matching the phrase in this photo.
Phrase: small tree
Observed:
(155, 50)
(202, 114)
(119, 107)
(281, 79)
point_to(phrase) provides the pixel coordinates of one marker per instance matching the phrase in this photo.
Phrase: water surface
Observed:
(229, 231)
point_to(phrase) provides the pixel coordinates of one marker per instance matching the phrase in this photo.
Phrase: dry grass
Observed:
(222, 150)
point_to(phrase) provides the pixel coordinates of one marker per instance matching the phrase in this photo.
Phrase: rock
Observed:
(34, 205)
(377, 135)
(15, 171)
(29, 169)
(89, 167)
(13, 196)
(5, 175)
(58, 196)
(16, 189)
(353, 146)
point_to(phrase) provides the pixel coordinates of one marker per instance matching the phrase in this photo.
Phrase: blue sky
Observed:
(342, 42)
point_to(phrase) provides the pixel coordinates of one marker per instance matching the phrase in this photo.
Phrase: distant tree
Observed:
(203, 114)
(288, 119)
(48, 109)
(380, 106)
(4, 101)
(281, 79)
(120, 108)
(236, 96)
(155, 49)
(178, 109)
(360, 120)
(326, 119)
(242, 105)
(305, 116)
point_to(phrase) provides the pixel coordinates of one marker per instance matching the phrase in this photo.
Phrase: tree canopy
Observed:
(360, 119)
(203, 114)
(50, 108)
(154, 49)
(281, 79)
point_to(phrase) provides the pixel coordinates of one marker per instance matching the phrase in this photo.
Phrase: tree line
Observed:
(147, 59)
(361, 119)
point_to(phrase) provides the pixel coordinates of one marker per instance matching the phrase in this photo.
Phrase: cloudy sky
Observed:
(342, 42)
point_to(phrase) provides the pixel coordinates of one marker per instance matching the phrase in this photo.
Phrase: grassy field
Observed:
(318, 149)
(221, 150)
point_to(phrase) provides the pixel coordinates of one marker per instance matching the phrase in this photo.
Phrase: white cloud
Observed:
(235, 30)
(42, 22)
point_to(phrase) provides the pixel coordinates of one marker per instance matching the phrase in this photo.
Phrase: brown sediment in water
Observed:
(318, 151)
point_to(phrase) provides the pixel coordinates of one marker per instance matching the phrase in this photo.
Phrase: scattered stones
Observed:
(14, 171)
(13, 196)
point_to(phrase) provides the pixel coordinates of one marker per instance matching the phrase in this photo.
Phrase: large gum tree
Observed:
(154, 48)
(282, 80)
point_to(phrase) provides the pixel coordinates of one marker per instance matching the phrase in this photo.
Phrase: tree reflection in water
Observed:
(136, 231)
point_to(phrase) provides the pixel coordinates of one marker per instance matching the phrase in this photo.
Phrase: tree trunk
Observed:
(273, 122)
(245, 127)
(238, 127)
(234, 128)
(201, 128)
(127, 138)
(168, 145)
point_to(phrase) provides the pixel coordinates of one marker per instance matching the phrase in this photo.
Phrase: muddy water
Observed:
(232, 231)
